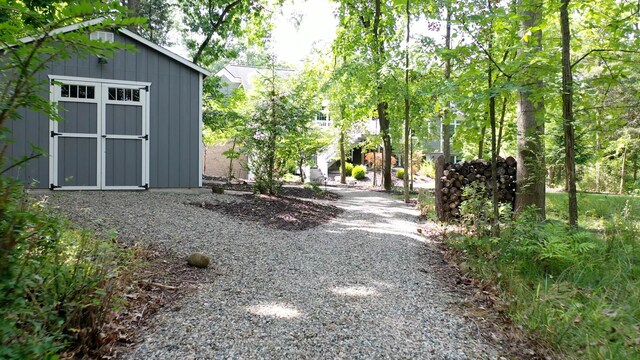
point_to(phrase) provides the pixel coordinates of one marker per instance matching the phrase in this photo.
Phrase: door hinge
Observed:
(54, 134)
(145, 186)
(53, 187)
(146, 137)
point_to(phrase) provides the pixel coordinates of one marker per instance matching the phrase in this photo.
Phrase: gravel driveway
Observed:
(359, 287)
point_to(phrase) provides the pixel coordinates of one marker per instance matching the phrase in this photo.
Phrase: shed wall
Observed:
(174, 115)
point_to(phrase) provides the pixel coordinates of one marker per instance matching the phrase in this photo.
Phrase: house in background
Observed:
(130, 122)
(239, 76)
(233, 77)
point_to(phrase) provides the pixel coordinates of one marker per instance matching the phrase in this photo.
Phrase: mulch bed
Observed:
(282, 212)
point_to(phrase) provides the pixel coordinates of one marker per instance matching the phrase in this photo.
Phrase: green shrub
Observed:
(400, 173)
(57, 284)
(428, 168)
(315, 188)
(348, 168)
(578, 290)
(359, 172)
(426, 202)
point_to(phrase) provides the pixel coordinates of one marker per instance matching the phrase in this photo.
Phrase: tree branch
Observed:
(214, 27)
(602, 50)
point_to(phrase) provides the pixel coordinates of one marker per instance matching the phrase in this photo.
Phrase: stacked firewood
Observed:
(451, 179)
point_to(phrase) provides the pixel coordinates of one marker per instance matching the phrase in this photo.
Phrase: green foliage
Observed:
(577, 289)
(159, 15)
(212, 27)
(428, 168)
(57, 284)
(359, 172)
(476, 209)
(278, 126)
(348, 167)
(400, 173)
(426, 202)
(317, 191)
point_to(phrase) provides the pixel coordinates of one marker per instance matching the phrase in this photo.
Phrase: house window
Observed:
(120, 94)
(322, 118)
(78, 91)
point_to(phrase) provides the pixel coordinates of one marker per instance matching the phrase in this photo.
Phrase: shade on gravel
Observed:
(360, 286)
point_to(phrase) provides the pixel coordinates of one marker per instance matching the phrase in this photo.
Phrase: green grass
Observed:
(579, 290)
(594, 209)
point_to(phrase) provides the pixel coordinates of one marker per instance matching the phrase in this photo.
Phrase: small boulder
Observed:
(216, 189)
(198, 260)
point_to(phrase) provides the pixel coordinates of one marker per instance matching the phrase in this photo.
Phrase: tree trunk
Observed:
(483, 132)
(407, 160)
(501, 125)
(386, 140)
(230, 171)
(495, 229)
(598, 153)
(531, 169)
(446, 133)
(343, 170)
(567, 114)
(378, 55)
(622, 171)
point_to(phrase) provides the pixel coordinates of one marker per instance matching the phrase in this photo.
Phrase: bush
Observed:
(400, 173)
(57, 284)
(348, 168)
(359, 172)
(426, 202)
(428, 168)
(577, 289)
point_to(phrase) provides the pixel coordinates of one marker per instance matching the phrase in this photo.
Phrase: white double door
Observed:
(101, 141)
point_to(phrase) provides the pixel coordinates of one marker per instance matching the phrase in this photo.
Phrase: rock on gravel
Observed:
(360, 286)
(198, 260)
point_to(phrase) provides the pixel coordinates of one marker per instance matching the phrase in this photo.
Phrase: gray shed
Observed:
(133, 121)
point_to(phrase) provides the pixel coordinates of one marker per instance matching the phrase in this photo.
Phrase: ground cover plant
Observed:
(58, 284)
(576, 289)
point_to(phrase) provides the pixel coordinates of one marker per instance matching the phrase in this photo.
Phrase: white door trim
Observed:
(55, 98)
(144, 104)
(101, 99)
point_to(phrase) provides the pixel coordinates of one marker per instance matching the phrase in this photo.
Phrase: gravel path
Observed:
(359, 287)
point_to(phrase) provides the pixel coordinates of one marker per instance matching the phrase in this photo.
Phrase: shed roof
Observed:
(130, 34)
(245, 75)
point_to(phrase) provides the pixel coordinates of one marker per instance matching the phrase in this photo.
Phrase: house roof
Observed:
(129, 34)
(245, 75)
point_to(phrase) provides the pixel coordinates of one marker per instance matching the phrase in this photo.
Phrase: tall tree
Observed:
(446, 121)
(159, 19)
(567, 113)
(367, 30)
(407, 108)
(531, 169)
(213, 25)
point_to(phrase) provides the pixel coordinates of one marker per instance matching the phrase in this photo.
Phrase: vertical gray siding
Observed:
(123, 167)
(123, 120)
(174, 127)
(79, 118)
(78, 164)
